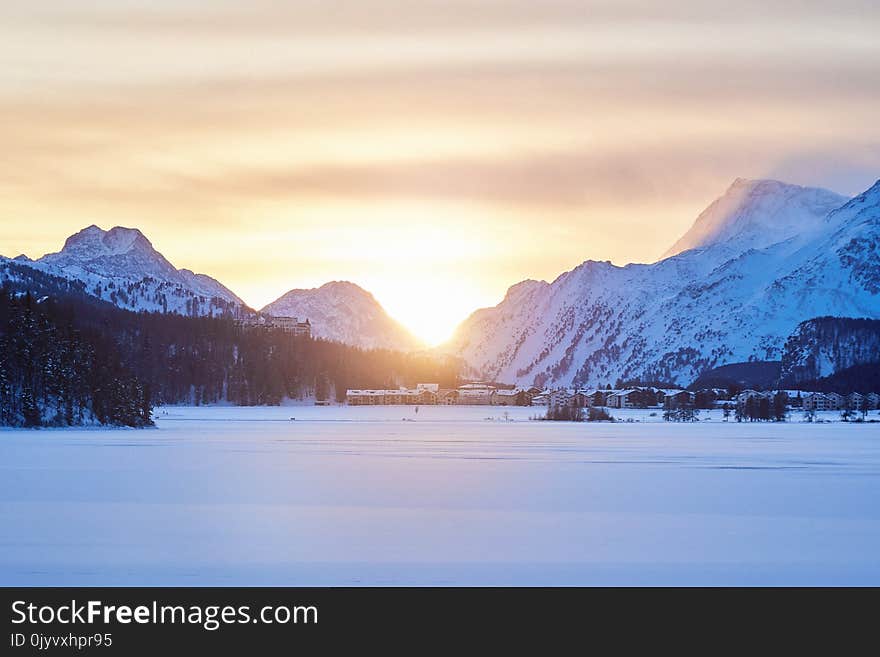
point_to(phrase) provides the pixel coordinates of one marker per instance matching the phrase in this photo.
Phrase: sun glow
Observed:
(433, 316)
(424, 262)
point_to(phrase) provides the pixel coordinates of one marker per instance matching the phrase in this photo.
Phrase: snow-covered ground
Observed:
(341, 496)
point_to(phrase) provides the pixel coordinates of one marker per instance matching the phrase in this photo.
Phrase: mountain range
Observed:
(121, 266)
(760, 260)
(757, 262)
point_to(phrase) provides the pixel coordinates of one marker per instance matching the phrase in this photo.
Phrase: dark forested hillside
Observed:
(759, 374)
(822, 346)
(863, 378)
(71, 359)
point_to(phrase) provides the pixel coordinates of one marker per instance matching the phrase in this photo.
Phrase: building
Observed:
(856, 401)
(475, 393)
(365, 397)
(745, 395)
(541, 399)
(674, 398)
(290, 324)
(598, 397)
(447, 397)
(621, 399)
(815, 401)
(560, 397)
(836, 402)
(873, 400)
(427, 393)
(509, 397)
(423, 394)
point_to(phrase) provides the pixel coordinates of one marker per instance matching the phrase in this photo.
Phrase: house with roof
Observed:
(475, 394)
(509, 397)
(621, 399)
(815, 401)
(560, 397)
(675, 398)
(541, 399)
(599, 396)
(855, 401)
(836, 402)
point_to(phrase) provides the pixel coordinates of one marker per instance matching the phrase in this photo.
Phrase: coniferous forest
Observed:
(68, 359)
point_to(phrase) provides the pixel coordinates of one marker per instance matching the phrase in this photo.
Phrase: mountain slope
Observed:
(120, 265)
(344, 312)
(733, 298)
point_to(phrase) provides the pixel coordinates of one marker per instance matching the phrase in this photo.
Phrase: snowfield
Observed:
(445, 496)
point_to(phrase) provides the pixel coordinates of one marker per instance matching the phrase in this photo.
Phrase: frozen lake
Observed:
(349, 496)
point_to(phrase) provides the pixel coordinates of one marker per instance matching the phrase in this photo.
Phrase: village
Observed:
(487, 394)
(492, 394)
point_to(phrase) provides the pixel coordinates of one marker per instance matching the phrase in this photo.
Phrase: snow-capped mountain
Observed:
(344, 312)
(120, 265)
(754, 214)
(763, 258)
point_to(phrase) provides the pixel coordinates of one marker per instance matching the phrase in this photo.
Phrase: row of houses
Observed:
(665, 397)
(648, 397)
(629, 398)
(474, 394)
(423, 393)
(818, 401)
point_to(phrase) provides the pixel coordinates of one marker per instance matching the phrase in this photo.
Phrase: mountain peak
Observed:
(345, 312)
(125, 256)
(119, 250)
(758, 213)
(122, 240)
(762, 184)
(95, 241)
(345, 287)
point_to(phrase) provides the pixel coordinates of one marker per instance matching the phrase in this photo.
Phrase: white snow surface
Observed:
(451, 496)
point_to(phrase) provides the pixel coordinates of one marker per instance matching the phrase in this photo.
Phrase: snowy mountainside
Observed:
(758, 213)
(730, 299)
(344, 312)
(121, 266)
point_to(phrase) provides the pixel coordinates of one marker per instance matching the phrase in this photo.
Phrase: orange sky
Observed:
(434, 152)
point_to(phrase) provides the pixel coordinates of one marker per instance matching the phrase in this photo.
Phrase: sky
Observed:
(433, 151)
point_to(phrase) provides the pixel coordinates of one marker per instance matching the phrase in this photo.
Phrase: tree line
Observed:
(67, 359)
(55, 374)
